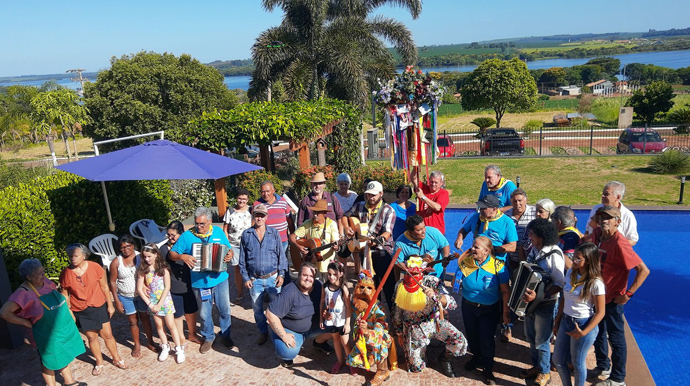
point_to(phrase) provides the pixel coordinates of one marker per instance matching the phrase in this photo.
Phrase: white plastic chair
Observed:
(104, 246)
(149, 232)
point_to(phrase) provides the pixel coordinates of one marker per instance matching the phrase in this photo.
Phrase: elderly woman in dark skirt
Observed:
(85, 287)
(38, 306)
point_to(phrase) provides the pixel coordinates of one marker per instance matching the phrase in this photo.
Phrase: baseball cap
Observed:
(374, 187)
(488, 201)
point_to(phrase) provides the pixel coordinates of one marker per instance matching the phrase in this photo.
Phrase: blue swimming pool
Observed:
(659, 314)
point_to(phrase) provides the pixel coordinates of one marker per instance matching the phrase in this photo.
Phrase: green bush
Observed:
(252, 182)
(543, 97)
(531, 126)
(189, 195)
(42, 216)
(670, 162)
(13, 174)
(682, 118)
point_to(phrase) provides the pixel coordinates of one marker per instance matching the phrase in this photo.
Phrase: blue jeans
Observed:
(261, 288)
(538, 331)
(220, 295)
(283, 351)
(613, 325)
(577, 348)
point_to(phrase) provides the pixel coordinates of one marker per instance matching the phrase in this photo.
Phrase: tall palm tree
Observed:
(330, 48)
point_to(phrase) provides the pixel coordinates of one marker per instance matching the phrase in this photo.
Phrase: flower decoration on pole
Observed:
(411, 103)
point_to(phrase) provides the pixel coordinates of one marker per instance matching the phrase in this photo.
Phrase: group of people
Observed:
(399, 248)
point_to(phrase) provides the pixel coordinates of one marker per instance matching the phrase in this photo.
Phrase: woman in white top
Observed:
(237, 219)
(346, 197)
(123, 286)
(579, 313)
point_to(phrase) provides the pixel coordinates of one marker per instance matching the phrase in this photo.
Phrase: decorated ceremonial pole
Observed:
(381, 283)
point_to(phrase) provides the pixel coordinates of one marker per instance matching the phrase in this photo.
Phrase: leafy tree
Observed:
(147, 92)
(15, 113)
(330, 48)
(554, 75)
(499, 85)
(684, 75)
(61, 108)
(656, 98)
(591, 73)
(610, 65)
(647, 73)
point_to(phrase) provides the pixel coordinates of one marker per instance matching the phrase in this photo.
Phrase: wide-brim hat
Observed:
(488, 201)
(318, 177)
(320, 206)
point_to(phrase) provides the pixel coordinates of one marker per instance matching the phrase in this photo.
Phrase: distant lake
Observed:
(671, 59)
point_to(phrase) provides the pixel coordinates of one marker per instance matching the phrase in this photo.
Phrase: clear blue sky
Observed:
(45, 37)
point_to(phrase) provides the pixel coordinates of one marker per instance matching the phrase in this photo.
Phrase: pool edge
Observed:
(637, 372)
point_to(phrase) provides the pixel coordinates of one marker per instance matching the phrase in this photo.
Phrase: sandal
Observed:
(353, 371)
(336, 368)
(97, 370)
(75, 383)
(120, 364)
(136, 353)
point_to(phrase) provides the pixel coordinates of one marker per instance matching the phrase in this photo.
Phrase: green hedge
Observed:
(41, 217)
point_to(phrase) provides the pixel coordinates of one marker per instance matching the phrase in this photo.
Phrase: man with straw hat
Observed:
(318, 192)
(322, 228)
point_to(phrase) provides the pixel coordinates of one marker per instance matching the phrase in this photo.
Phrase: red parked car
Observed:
(640, 140)
(446, 147)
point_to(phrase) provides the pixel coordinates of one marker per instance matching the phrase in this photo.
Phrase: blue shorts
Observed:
(132, 305)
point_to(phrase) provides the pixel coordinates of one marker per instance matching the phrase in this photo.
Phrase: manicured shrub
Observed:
(40, 217)
(531, 126)
(670, 162)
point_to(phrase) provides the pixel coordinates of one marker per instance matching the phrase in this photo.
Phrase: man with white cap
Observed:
(318, 192)
(379, 219)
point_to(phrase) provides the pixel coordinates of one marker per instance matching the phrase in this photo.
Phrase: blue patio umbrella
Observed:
(156, 160)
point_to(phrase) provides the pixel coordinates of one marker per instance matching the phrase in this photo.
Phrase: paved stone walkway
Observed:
(249, 364)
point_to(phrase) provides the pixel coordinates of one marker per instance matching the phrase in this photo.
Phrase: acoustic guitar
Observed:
(314, 246)
(360, 238)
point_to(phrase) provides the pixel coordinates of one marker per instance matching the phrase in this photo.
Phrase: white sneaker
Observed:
(165, 352)
(179, 354)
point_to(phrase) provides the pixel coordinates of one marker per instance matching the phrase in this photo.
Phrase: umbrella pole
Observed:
(111, 225)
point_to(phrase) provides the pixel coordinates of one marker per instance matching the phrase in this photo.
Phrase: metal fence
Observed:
(553, 141)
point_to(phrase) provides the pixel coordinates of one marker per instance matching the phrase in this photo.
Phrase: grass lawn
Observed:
(565, 180)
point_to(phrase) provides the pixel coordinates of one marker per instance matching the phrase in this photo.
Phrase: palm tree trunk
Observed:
(314, 85)
(74, 142)
(64, 139)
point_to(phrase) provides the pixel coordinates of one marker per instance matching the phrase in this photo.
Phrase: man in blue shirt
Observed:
(492, 223)
(262, 265)
(210, 287)
(422, 240)
(496, 185)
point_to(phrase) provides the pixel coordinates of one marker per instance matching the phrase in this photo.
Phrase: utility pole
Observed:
(80, 79)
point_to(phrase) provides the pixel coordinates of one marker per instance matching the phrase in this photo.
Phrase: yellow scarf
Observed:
(569, 229)
(501, 182)
(202, 235)
(371, 211)
(468, 265)
(575, 281)
(486, 221)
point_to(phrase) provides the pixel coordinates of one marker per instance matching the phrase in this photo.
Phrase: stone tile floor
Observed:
(249, 364)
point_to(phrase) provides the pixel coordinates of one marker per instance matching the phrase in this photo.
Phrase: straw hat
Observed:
(318, 177)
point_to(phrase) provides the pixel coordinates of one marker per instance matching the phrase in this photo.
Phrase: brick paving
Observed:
(249, 364)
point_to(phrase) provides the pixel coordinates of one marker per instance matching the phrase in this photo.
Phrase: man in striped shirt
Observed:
(278, 212)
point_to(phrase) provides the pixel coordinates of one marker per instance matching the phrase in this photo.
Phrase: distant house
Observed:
(587, 116)
(601, 87)
(569, 90)
(621, 87)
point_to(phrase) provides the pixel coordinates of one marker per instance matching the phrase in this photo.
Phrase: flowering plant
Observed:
(409, 87)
